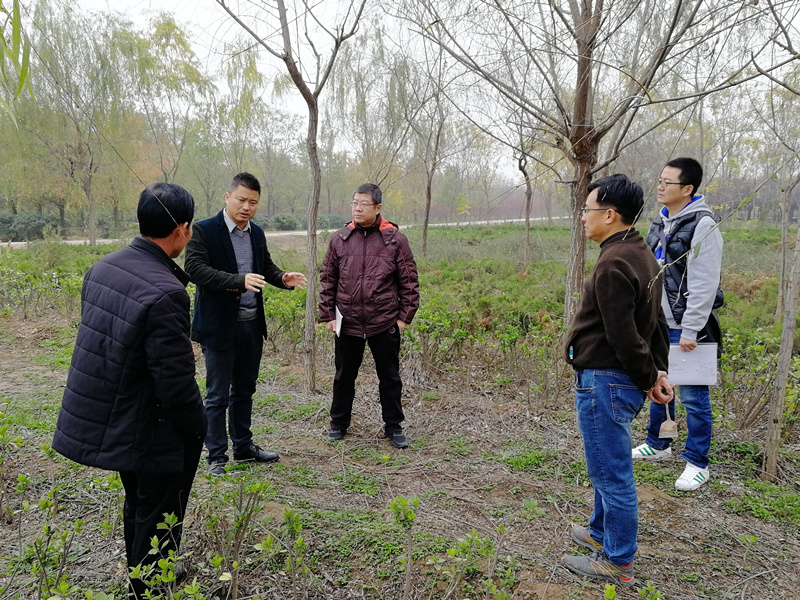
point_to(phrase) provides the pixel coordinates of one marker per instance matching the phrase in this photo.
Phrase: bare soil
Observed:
(460, 465)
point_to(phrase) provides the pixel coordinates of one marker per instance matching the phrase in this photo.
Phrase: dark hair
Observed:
(371, 189)
(620, 193)
(246, 180)
(162, 208)
(691, 172)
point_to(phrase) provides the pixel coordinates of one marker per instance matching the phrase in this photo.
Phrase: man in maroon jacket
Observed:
(369, 293)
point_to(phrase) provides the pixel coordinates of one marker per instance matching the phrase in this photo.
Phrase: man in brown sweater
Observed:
(619, 346)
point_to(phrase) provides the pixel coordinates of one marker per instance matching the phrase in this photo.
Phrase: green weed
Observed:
(768, 501)
(356, 483)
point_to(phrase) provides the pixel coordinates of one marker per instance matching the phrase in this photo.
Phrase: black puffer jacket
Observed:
(131, 401)
(369, 273)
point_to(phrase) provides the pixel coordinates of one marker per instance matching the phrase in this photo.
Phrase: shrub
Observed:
(284, 222)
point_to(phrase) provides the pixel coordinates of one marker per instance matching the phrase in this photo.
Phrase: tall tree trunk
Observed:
(310, 331)
(777, 397)
(427, 218)
(584, 143)
(522, 165)
(785, 222)
(87, 190)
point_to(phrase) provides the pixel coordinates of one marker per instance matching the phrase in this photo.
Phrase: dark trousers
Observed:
(385, 348)
(231, 377)
(147, 498)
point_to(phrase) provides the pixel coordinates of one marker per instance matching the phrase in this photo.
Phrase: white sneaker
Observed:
(650, 453)
(692, 478)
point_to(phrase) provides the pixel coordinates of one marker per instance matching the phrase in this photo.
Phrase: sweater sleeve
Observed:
(703, 275)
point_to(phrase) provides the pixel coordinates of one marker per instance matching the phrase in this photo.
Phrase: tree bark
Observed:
(777, 397)
(785, 222)
(522, 165)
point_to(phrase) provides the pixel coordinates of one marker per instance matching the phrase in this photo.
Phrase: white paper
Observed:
(698, 367)
(338, 322)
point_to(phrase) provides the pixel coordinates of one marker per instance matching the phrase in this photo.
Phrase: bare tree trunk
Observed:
(87, 190)
(777, 398)
(785, 221)
(310, 330)
(427, 218)
(522, 163)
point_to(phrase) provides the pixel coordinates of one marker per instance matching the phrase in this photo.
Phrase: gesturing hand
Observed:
(254, 282)
(297, 280)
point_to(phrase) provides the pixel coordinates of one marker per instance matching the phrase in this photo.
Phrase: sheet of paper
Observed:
(698, 367)
(338, 322)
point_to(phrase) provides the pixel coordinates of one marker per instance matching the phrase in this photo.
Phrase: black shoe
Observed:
(397, 437)
(255, 453)
(181, 574)
(335, 434)
(216, 468)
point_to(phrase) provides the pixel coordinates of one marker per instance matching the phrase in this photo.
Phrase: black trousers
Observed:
(349, 352)
(147, 498)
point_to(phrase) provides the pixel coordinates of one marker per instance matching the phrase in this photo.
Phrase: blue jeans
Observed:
(231, 376)
(699, 419)
(606, 401)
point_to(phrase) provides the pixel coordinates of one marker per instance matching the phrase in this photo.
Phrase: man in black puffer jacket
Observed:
(131, 402)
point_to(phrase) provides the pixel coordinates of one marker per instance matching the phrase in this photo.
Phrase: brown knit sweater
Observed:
(619, 324)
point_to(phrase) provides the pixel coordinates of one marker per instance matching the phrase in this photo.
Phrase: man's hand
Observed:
(661, 393)
(401, 325)
(331, 326)
(254, 282)
(687, 345)
(297, 280)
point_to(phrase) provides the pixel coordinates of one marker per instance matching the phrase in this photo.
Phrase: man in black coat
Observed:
(229, 262)
(131, 402)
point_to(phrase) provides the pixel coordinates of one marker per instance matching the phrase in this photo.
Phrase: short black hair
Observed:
(162, 208)
(620, 193)
(371, 189)
(247, 180)
(691, 171)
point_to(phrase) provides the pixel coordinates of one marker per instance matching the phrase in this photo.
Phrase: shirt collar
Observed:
(230, 224)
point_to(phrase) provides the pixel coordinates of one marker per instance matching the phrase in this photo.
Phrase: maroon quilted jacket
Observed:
(369, 273)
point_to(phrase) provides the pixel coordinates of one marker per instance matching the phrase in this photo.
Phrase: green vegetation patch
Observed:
(357, 483)
(301, 474)
(768, 502)
(529, 458)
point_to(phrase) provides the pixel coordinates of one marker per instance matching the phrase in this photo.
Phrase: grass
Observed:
(768, 502)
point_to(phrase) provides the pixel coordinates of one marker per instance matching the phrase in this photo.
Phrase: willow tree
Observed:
(14, 52)
(80, 96)
(584, 70)
(307, 40)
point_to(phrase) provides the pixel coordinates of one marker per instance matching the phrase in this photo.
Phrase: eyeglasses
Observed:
(665, 183)
(362, 204)
(584, 210)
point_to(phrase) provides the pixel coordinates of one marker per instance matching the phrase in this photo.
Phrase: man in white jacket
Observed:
(685, 239)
